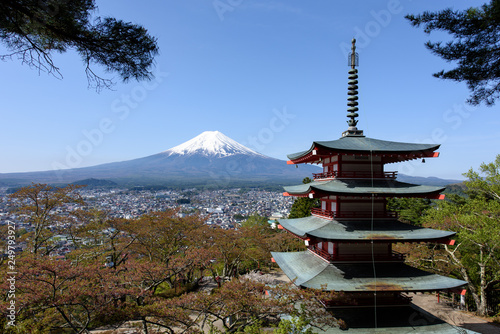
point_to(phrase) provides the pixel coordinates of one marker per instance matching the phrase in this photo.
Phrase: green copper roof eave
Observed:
(310, 271)
(361, 144)
(406, 319)
(363, 187)
(386, 231)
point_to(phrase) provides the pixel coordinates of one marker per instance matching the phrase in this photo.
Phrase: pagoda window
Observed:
(362, 167)
(362, 207)
(363, 249)
(326, 246)
(327, 204)
(330, 248)
(366, 206)
(361, 158)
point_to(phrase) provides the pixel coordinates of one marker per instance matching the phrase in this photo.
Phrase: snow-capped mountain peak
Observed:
(211, 143)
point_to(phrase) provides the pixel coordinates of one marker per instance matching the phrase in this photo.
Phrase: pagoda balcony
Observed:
(395, 299)
(323, 213)
(364, 214)
(393, 257)
(355, 175)
(351, 214)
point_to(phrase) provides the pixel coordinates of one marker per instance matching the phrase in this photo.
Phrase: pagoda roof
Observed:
(383, 230)
(361, 144)
(394, 320)
(360, 187)
(310, 271)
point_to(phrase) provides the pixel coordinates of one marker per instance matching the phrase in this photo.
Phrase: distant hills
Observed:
(428, 181)
(210, 160)
(96, 183)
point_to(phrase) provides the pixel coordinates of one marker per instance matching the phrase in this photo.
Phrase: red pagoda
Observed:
(350, 237)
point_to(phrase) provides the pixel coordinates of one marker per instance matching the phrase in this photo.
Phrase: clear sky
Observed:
(272, 75)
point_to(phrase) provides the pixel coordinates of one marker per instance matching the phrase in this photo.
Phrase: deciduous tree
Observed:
(264, 240)
(238, 304)
(176, 244)
(56, 295)
(37, 205)
(475, 257)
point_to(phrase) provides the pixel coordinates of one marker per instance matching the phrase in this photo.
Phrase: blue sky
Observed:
(272, 75)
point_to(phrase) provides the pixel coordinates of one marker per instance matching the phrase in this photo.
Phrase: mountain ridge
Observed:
(210, 159)
(211, 143)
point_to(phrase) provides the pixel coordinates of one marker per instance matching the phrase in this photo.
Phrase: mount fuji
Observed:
(211, 143)
(210, 159)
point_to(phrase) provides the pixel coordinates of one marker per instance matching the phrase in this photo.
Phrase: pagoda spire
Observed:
(352, 92)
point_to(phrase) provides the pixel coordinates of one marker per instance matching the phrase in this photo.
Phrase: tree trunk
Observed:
(463, 271)
(482, 308)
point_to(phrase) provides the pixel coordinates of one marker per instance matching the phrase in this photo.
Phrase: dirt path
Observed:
(453, 316)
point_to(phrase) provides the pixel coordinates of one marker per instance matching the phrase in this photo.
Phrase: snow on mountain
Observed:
(211, 143)
(209, 160)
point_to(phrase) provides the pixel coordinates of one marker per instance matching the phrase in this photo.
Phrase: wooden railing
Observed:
(364, 214)
(396, 299)
(362, 175)
(393, 257)
(323, 213)
(352, 214)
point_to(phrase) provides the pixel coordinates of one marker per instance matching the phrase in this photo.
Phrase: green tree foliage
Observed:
(257, 221)
(476, 36)
(240, 217)
(298, 325)
(183, 201)
(258, 232)
(487, 186)
(33, 31)
(410, 210)
(303, 205)
(475, 257)
(262, 240)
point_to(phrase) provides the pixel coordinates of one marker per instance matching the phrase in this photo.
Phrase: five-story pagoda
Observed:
(350, 237)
